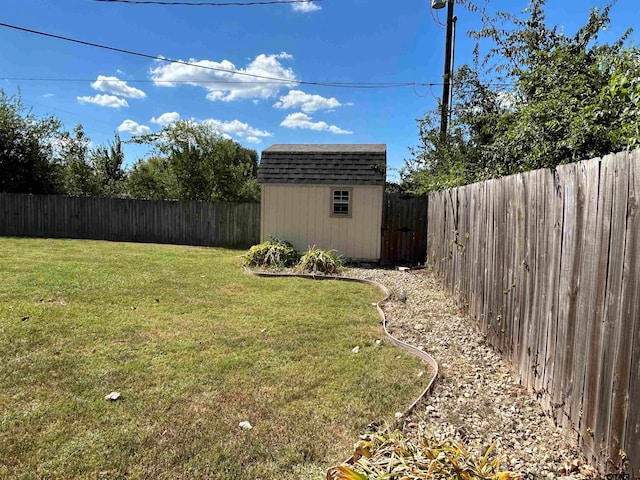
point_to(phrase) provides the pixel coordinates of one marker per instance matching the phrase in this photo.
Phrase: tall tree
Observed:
(107, 162)
(78, 176)
(194, 162)
(152, 178)
(26, 149)
(569, 98)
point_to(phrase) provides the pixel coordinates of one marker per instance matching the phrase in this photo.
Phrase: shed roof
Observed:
(348, 164)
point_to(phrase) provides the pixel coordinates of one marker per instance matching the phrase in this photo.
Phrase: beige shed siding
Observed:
(301, 215)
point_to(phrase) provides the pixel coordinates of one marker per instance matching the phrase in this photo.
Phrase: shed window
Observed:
(341, 203)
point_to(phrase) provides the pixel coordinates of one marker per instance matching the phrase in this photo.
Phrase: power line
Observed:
(216, 69)
(84, 80)
(261, 79)
(227, 82)
(436, 18)
(138, 54)
(208, 4)
(222, 82)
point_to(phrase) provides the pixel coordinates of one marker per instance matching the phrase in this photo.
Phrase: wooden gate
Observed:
(404, 229)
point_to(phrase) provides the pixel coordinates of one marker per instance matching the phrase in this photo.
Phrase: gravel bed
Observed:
(476, 399)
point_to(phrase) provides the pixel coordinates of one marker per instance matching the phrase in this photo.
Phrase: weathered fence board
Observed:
(595, 368)
(569, 281)
(619, 181)
(150, 221)
(588, 181)
(548, 264)
(631, 306)
(624, 320)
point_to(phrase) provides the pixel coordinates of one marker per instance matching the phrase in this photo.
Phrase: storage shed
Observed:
(330, 196)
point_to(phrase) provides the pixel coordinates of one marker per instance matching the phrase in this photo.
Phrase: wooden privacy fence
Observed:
(154, 221)
(548, 264)
(404, 229)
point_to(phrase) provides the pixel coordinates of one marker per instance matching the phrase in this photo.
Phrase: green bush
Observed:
(316, 260)
(272, 253)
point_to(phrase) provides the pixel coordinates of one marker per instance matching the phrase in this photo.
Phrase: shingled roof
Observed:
(348, 164)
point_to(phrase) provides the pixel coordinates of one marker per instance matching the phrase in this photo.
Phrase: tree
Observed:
(194, 162)
(107, 164)
(570, 98)
(622, 95)
(466, 154)
(152, 179)
(78, 176)
(37, 156)
(26, 149)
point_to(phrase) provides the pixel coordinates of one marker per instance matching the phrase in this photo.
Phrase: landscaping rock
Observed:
(476, 399)
(113, 396)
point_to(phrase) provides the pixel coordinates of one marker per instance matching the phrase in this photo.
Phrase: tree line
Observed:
(539, 98)
(189, 161)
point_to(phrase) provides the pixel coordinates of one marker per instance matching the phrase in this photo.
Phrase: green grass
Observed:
(195, 346)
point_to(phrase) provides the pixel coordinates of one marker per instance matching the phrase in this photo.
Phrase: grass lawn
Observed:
(195, 346)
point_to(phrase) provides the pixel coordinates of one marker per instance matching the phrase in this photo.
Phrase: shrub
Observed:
(316, 260)
(387, 451)
(272, 253)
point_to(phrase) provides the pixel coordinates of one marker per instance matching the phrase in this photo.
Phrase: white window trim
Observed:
(349, 202)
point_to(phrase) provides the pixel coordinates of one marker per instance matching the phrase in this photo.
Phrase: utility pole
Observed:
(448, 64)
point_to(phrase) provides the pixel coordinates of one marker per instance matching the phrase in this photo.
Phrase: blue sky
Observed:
(341, 41)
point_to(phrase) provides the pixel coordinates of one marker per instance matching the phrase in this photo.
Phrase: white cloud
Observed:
(166, 118)
(224, 84)
(237, 128)
(306, 102)
(48, 95)
(105, 101)
(507, 101)
(119, 71)
(306, 7)
(133, 128)
(301, 120)
(115, 86)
